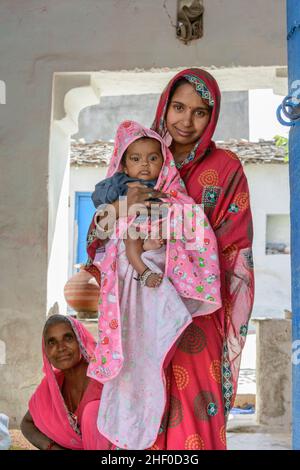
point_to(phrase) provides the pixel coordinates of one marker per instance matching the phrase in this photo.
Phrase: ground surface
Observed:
(238, 438)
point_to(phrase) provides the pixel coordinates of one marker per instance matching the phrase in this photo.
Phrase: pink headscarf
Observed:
(47, 406)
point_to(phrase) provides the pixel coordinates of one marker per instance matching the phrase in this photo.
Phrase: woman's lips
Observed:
(64, 358)
(183, 133)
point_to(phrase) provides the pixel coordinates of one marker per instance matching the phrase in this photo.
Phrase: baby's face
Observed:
(143, 159)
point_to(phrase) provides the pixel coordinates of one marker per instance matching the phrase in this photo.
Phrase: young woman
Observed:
(203, 373)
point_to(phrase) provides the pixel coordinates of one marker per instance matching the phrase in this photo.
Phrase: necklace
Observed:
(189, 157)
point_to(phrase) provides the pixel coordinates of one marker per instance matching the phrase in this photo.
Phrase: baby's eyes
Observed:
(152, 158)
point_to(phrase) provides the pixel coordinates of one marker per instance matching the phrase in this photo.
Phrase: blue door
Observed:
(84, 211)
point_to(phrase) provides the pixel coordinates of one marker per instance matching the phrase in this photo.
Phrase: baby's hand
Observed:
(154, 244)
(154, 280)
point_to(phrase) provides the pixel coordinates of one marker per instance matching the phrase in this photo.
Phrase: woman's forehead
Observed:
(58, 329)
(186, 92)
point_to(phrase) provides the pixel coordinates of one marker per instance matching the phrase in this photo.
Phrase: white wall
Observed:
(263, 123)
(59, 170)
(269, 192)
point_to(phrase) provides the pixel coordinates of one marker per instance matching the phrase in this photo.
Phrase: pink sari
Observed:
(49, 412)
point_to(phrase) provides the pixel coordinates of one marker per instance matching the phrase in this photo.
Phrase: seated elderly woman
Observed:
(64, 408)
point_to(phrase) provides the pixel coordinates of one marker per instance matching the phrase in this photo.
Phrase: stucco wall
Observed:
(39, 38)
(100, 122)
(273, 360)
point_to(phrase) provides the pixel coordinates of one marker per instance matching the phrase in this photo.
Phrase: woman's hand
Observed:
(35, 436)
(58, 447)
(139, 193)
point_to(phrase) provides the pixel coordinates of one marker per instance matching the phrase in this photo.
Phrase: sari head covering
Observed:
(207, 87)
(47, 406)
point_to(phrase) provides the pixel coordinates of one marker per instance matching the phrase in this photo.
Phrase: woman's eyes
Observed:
(178, 107)
(199, 113)
(67, 338)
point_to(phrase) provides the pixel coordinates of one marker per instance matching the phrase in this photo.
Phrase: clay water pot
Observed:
(82, 294)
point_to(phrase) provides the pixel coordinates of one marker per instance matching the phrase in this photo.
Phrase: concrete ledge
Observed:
(273, 372)
(241, 400)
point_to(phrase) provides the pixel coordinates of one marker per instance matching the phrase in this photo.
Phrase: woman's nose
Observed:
(61, 346)
(187, 119)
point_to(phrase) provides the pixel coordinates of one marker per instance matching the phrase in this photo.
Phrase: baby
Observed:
(141, 162)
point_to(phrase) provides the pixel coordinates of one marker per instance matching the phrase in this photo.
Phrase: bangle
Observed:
(144, 276)
(50, 445)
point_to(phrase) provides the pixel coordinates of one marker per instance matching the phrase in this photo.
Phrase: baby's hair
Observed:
(123, 159)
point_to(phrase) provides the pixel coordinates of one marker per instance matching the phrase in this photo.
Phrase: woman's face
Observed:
(187, 115)
(61, 345)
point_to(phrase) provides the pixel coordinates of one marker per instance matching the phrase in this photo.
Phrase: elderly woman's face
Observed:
(61, 345)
